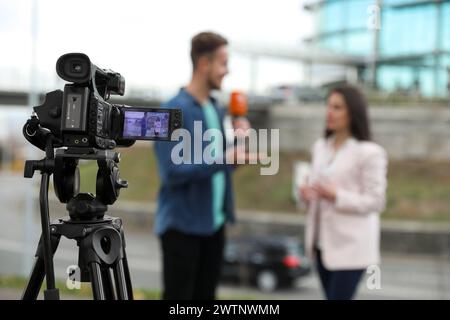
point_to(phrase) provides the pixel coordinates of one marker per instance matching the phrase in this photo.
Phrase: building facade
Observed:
(406, 42)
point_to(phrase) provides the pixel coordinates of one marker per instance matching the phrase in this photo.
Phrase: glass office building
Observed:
(409, 51)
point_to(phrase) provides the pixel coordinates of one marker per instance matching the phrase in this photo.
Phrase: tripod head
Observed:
(66, 178)
(85, 206)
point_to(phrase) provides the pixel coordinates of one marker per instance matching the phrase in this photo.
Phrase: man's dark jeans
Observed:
(191, 264)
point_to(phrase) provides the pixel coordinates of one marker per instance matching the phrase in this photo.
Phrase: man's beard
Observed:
(212, 85)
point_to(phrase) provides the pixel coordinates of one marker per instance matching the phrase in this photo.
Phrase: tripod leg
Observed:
(127, 277)
(121, 285)
(108, 284)
(35, 280)
(37, 274)
(97, 281)
(126, 270)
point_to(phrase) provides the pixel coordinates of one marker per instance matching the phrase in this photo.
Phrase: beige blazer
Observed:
(348, 230)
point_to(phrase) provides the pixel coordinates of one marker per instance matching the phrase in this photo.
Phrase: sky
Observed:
(148, 41)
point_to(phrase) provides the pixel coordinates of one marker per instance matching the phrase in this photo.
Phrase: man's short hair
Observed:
(205, 43)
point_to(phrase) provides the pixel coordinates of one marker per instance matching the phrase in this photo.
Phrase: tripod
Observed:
(102, 258)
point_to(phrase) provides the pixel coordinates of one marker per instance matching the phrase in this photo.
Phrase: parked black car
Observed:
(267, 262)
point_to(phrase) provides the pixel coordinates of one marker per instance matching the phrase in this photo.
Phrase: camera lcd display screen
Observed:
(73, 111)
(146, 124)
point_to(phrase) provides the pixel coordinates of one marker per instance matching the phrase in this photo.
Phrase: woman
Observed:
(345, 195)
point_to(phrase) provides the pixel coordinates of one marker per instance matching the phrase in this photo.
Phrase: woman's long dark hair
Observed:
(357, 110)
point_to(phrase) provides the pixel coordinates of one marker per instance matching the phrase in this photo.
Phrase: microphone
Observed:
(237, 110)
(238, 106)
(237, 119)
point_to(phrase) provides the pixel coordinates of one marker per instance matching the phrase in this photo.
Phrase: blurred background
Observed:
(285, 55)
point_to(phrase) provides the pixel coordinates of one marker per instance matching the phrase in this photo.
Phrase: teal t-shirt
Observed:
(218, 179)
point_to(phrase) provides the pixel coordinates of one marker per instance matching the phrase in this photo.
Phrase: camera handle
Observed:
(46, 166)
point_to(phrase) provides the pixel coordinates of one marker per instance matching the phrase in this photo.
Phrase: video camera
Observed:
(81, 124)
(81, 116)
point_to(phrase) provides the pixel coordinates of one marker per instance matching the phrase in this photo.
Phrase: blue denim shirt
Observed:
(185, 200)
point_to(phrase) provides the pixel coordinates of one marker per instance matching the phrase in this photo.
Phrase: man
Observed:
(196, 200)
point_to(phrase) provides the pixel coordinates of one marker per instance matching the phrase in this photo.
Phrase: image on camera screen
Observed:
(141, 124)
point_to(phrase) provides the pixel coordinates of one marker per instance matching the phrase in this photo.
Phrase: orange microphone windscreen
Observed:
(238, 104)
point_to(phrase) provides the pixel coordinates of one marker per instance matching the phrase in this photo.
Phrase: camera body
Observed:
(87, 120)
(81, 116)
